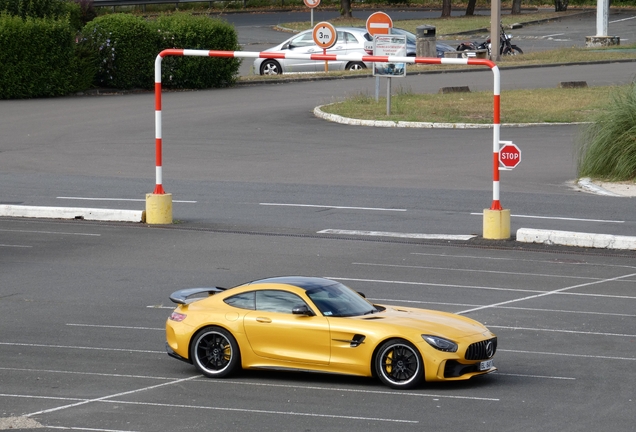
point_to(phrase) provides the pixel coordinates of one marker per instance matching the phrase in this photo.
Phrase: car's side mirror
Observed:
(302, 310)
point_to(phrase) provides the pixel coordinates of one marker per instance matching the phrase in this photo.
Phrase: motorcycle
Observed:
(506, 47)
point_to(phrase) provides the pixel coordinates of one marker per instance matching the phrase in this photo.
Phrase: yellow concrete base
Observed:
(496, 224)
(158, 208)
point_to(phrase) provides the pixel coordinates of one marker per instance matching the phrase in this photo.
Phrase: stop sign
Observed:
(509, 155)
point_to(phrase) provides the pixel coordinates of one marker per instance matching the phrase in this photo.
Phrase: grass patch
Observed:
(443, 26)
(517, 106)
(608, 146)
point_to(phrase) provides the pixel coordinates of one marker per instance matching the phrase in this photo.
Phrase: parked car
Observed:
(411, 43)
(350, 41)
(320, 325)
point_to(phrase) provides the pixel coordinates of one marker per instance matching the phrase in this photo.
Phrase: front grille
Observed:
(482, 350)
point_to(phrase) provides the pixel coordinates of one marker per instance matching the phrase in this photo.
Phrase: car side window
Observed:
(349, 38)
(304, 40)
(277, 301)
(244, 300)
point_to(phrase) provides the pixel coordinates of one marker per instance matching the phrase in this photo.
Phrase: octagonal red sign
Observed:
(509, 155)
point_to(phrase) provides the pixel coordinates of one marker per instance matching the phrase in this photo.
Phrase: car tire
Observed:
(356, 66)
(399, 364)
(270, 67)
(215, 352)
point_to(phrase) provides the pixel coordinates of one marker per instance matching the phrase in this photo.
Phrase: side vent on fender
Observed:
(357, 340)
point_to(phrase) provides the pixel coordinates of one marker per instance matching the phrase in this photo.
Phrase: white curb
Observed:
(73, 213)
(335, 118)
(578, 239)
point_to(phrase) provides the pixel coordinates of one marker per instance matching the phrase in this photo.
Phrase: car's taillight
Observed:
(178, 317)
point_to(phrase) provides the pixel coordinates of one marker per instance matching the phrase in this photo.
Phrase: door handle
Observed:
(263, 320)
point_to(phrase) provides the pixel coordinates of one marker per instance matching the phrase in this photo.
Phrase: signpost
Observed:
(378, 23)
(391, 46)
(325, 36)
(509, 155)
(311, 4)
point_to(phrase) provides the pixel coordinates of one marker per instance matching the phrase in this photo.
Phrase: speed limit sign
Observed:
(325, 35)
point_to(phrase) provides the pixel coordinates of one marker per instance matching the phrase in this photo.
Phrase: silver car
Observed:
(350, 41)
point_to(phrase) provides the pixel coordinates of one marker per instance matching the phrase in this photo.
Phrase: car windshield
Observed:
(339, 300)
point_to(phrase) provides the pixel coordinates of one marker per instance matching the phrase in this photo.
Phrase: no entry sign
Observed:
(379, 23)
(509, 155)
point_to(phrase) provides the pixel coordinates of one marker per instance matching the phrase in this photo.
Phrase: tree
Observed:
(345, 8)
(446, 8)
(470, 9)
(516, 7)
(560, 5)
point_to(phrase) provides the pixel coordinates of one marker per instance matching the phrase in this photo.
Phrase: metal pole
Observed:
(388, 96)
(312, 17)
(602, 17)
(495, 23)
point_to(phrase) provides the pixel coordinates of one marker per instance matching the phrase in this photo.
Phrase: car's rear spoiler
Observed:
(181, 296)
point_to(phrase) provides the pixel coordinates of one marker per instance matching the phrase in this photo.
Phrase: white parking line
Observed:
(536, 376)
(455, 269)
(559, 291)
(624, 19)
(104, 398)
(244, 383)
(393, 301)
(117, 199)
(567, 355)
(561, 331)
(434, 284)
(109, 375)
(80, 347)
(260, 411)
(113, 326)
(333, 207)
(51, 232)
(15, 246)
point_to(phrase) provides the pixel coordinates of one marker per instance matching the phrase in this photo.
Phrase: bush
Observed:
(37, 57)
(608, 145)
(54, 9)
(125, 46)
(182, 30)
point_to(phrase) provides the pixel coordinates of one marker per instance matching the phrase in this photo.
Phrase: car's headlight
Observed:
(440, 343)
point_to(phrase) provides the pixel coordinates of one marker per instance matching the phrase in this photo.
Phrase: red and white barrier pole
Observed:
(495, 206)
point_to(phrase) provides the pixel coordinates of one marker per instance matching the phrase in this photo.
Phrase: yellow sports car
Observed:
(320, 325)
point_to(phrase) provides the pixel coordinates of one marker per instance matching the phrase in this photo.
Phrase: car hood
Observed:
(428, 321)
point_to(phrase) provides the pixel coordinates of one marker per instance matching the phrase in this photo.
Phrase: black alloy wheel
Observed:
(215, 353)
(399, 364)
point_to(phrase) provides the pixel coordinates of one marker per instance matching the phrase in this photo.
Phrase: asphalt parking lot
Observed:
(83, 304)
(83, 307)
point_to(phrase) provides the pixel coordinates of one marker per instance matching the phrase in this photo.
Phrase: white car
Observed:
(350, 41)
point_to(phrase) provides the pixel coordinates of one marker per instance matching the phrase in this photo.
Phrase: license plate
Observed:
(485, 365)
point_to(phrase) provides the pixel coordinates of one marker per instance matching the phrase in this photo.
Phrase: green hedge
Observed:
(38, 58)
(127, 46)
(182, 30)
(54, 9)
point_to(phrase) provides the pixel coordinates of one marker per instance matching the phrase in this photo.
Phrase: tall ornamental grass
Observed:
(608, 145)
